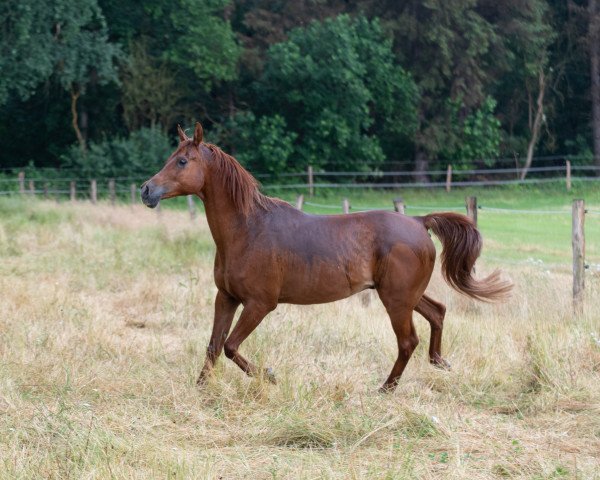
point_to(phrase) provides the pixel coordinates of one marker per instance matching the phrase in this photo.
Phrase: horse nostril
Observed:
(145, 189)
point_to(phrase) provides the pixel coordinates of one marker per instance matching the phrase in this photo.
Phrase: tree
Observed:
(187, 47)
(83, 54)
(262, 144)
(528, 72)
(26, 58)
(199, 38)
(475, 138)
(337, 85)
(65, 40)
(149, 104)
(463, 51)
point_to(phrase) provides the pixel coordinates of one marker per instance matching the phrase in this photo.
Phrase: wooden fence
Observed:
(315, 180)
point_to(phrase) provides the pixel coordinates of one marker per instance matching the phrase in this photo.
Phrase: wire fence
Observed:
(48, 182)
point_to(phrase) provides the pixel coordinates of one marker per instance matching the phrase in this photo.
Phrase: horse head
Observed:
(183, 173)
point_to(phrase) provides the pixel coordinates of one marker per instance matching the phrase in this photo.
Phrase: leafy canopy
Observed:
(336, 85)
(63, 39)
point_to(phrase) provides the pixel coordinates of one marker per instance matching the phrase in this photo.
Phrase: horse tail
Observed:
(461, 246)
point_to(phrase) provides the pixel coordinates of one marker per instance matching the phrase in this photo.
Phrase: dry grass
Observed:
(105, 315)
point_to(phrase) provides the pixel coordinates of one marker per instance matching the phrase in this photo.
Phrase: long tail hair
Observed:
(462, 243)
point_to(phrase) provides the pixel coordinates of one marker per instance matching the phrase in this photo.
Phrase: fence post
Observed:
(46, 191)
(578, 241)
(399, 205)
(191, 207)
(94, 191)
(31, 187)
(21, 182)
(568, 175)
(472, 209)
(111, 191)
(300, 202)
(133, 190)
(311, 187)
(346, 205)
(448, 178)
(73, 191)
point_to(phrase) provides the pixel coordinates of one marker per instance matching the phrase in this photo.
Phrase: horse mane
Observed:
(242, 187)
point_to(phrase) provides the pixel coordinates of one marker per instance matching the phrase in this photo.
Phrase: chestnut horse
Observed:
(269, 252)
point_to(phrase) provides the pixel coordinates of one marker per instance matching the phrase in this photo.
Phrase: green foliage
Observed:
(64, 38)
(24, 67)
(448, 47)
(336, 84)
(150, 104)
(144, 150)
(203, 41)
(582, 151)
(82, 51)
(262, 144)
(316, 82)
(525, 50)
(477, 137)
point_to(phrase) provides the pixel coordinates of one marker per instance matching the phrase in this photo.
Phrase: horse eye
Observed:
(182, 162)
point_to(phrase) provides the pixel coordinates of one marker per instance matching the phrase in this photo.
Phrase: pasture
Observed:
(105, 314)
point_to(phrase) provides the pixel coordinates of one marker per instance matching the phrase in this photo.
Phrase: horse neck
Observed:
(225, 221)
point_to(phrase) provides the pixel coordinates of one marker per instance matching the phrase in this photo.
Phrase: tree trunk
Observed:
(594, 49)
(84, 123)
(421, 166)
(74, 119)
(537, 124)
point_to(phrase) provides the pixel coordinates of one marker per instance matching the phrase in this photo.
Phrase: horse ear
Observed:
(198, 134)
(182, 136)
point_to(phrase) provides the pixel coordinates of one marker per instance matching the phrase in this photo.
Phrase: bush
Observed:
(337, 86)
(262, 145)
(144, 152)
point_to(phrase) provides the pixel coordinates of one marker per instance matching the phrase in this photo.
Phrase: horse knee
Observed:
(407, 346)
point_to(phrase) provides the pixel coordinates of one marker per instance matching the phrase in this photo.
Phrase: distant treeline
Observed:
(98, 86)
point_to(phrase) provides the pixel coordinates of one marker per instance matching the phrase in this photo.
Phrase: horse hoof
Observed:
(441, 363)
(203, 377)
(387, 388)
(270, 375)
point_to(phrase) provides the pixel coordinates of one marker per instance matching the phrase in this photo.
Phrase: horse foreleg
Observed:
(250, 318)
(434, 312)
(225, 307)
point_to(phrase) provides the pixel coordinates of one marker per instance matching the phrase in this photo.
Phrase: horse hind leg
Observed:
(406, 335)
(250, 318)
(434, 312)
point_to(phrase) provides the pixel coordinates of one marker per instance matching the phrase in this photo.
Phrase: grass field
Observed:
(105, 314)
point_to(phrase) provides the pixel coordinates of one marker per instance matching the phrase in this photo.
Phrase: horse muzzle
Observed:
(151, 194)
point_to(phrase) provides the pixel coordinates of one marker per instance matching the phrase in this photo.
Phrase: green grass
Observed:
(551, 195)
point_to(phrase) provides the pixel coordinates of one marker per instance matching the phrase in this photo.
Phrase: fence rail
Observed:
(19, 182)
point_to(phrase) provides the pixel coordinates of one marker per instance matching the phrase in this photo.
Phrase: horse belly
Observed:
(323, 282)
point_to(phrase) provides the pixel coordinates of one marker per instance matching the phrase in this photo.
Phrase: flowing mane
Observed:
(238, 182)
